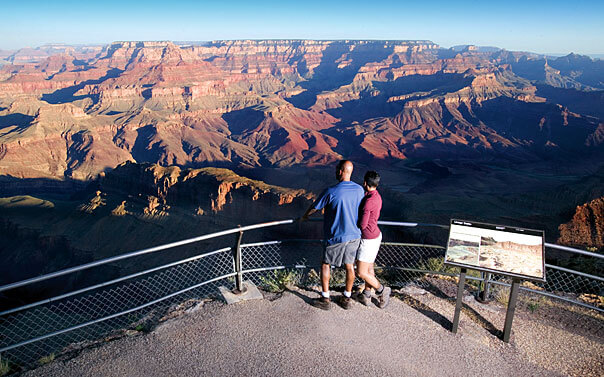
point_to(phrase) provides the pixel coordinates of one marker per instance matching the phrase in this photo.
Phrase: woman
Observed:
(371, 238)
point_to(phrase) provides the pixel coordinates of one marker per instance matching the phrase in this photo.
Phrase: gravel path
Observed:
(287, 336)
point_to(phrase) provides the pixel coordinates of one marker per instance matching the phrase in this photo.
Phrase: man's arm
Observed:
(318, 205)
(308, 212)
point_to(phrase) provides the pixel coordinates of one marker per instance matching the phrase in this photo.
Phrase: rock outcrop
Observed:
(201, 192)
(586, 229)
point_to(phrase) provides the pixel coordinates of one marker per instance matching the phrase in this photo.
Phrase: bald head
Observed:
(344, 170)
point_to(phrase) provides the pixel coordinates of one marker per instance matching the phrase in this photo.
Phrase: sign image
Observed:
(500, 249)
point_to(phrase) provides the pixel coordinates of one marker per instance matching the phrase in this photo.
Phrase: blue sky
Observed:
(539, 26)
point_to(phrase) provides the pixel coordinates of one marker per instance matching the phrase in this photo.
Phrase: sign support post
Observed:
(459, 302)
(509, 317)
(483, 295)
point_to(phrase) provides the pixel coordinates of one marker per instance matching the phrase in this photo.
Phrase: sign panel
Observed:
(506, 250)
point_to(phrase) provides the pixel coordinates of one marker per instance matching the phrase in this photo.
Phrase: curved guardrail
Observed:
(74, 320)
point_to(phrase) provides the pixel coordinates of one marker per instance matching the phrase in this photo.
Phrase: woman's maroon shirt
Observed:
(369, 213)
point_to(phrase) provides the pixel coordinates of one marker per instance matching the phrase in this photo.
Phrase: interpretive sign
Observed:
(513, 251)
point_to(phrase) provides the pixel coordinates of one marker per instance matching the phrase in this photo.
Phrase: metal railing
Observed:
(72, 321)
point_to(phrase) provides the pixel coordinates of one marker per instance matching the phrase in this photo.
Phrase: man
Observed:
(340, 231)
(371, 238)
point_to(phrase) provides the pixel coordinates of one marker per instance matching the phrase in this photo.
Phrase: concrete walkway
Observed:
(289, 337)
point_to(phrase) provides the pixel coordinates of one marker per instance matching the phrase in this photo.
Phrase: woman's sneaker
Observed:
(384, 297)
(365, 298)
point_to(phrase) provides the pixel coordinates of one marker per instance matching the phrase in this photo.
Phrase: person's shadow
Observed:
(296, 292)
(442, 320)
(426, 310)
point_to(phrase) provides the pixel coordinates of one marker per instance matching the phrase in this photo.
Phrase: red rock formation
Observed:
(586, 229)
(207, 190)
(274, 103)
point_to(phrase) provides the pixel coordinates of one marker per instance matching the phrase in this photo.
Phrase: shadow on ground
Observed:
(440, 319)
(304, 298)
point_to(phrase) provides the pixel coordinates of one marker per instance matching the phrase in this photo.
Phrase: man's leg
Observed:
(349, 253)
(325, 275)
(324, 301)
(349, 277)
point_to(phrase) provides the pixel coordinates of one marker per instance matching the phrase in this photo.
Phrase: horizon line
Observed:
(176, 41)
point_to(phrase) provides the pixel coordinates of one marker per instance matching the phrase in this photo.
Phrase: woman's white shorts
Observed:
(368, 249)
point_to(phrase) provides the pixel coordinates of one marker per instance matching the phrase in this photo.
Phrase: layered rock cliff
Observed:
(288, 103)
(586, 229)
(203, 192)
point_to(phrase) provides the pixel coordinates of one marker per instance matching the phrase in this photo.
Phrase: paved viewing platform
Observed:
(283, 334)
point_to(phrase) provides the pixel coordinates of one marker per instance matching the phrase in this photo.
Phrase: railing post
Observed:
(238, 264)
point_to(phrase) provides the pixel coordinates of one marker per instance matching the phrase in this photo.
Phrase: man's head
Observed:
(371, 180)
(344, 170)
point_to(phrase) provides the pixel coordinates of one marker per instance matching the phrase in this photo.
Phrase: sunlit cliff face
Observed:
(290, 103)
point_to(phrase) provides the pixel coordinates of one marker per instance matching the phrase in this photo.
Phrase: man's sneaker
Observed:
(346, 302)
(322, 303)
(384, 297)
(364, 298)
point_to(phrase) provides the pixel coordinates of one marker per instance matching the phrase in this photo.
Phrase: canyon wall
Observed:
(288, 103)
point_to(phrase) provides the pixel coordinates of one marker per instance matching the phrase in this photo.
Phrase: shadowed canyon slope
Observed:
(253, 104)
(136, 206)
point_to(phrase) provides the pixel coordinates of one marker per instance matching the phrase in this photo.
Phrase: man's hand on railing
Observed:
(308, 212)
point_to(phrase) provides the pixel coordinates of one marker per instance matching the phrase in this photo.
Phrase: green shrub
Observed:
(46, 359)
(437, 265)
(4, 366)
(313, 279)
(280, 280)
(533, 306)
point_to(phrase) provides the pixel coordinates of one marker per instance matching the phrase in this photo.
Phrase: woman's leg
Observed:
(366, 272)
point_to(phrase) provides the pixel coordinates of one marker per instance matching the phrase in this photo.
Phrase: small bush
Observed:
(438, 265)
(280, 280)
(4, 366)
(313, 278)
(533, 306)
(502, 295)
(46, 359)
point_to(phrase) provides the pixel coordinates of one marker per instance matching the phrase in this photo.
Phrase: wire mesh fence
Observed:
(60, 326)
(31, 334)
(401, 263)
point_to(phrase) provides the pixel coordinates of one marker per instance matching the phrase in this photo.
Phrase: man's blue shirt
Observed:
(341, 203)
